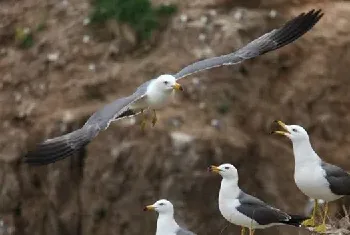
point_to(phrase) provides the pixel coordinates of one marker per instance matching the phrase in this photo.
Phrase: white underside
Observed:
(154, 100)
(228, 202)
(312, 182)
(229, 212)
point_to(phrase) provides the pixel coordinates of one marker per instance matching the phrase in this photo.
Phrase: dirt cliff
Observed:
(224, 115)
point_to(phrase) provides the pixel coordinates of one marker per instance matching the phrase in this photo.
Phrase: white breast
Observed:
(312, 182)
(159, 99)
(166, 225)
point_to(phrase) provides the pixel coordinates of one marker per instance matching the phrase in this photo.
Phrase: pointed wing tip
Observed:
(61, 147)
(47, 152)
(313, 15)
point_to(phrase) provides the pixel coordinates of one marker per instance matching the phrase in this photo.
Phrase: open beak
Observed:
(213, 168)
(149, 208)
(178, 87)
(284, 132)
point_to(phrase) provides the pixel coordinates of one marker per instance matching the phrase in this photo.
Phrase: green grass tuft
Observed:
(139, 14)
(24, 38)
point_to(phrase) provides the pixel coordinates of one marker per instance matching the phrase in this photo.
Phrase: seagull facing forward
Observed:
(156, 93)
(166, 224)
(245, 210)
(315, 178)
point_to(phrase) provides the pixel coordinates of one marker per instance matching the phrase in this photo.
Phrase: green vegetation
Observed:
(139, 14)
(24, 37)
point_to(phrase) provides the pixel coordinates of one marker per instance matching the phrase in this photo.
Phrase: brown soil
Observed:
(102, 189)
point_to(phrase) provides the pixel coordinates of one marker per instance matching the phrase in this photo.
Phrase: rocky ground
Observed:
(224, 115)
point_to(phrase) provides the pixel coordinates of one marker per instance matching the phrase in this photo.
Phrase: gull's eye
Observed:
(294, 130)
(161, 204)
(227, 167)
(166, 82)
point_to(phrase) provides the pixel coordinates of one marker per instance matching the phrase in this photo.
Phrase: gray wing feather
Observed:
(114, 110)
(273, 40)
(260, 211)
(339, 179)
(63, 146)
(182, 231)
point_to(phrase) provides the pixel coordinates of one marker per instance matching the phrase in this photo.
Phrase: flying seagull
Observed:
(245, 210)
(156, 93)
(166, 224)
(315, 178)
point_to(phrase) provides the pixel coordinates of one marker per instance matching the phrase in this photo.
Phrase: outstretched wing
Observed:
(273, 40)
(58, 148)
(259, 211)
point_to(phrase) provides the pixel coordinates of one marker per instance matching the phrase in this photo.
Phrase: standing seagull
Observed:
(166, 224)
(315, 178)
(156, 93)
(245, 210)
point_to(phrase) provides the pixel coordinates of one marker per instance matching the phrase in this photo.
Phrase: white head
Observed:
(293, 132)
(167, 82)
(227, 171)
(162, 206)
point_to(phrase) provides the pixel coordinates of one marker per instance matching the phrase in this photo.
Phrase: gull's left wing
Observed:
(273, 40)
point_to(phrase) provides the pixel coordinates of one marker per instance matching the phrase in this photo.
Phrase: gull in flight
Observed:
(166, 224)
(156, 93)
(315, 178)
(245, 210)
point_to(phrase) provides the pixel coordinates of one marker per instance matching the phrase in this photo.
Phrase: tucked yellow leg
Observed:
(322, 228)
(311, 222)
(242, 230)
(251, 231)
(154, 118)
(143, 120)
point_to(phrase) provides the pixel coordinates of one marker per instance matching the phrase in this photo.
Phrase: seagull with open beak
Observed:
(315, 178)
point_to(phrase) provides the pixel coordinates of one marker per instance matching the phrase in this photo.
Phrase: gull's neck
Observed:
(304, 154)
(166, 224)
(229, 190)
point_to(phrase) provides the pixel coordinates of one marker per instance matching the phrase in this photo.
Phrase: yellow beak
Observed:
(149, 208)
(213, 168)
(178, 87)
(284, 126)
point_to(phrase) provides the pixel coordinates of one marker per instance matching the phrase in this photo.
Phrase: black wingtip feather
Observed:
(58, 148)
(297, 27)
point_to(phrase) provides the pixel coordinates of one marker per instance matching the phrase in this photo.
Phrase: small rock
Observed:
(202, 105)
(86, 38)
(180, 140)
(86, 21)
(183, 18)
(201, 37)
(92, 67)
(53, 56)
(204, 20)
(212, 12)
(238, 15)
(195, 81)
(215, 123)
(67, 117)
(26, 31)
(273, 14)
(18, 96)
